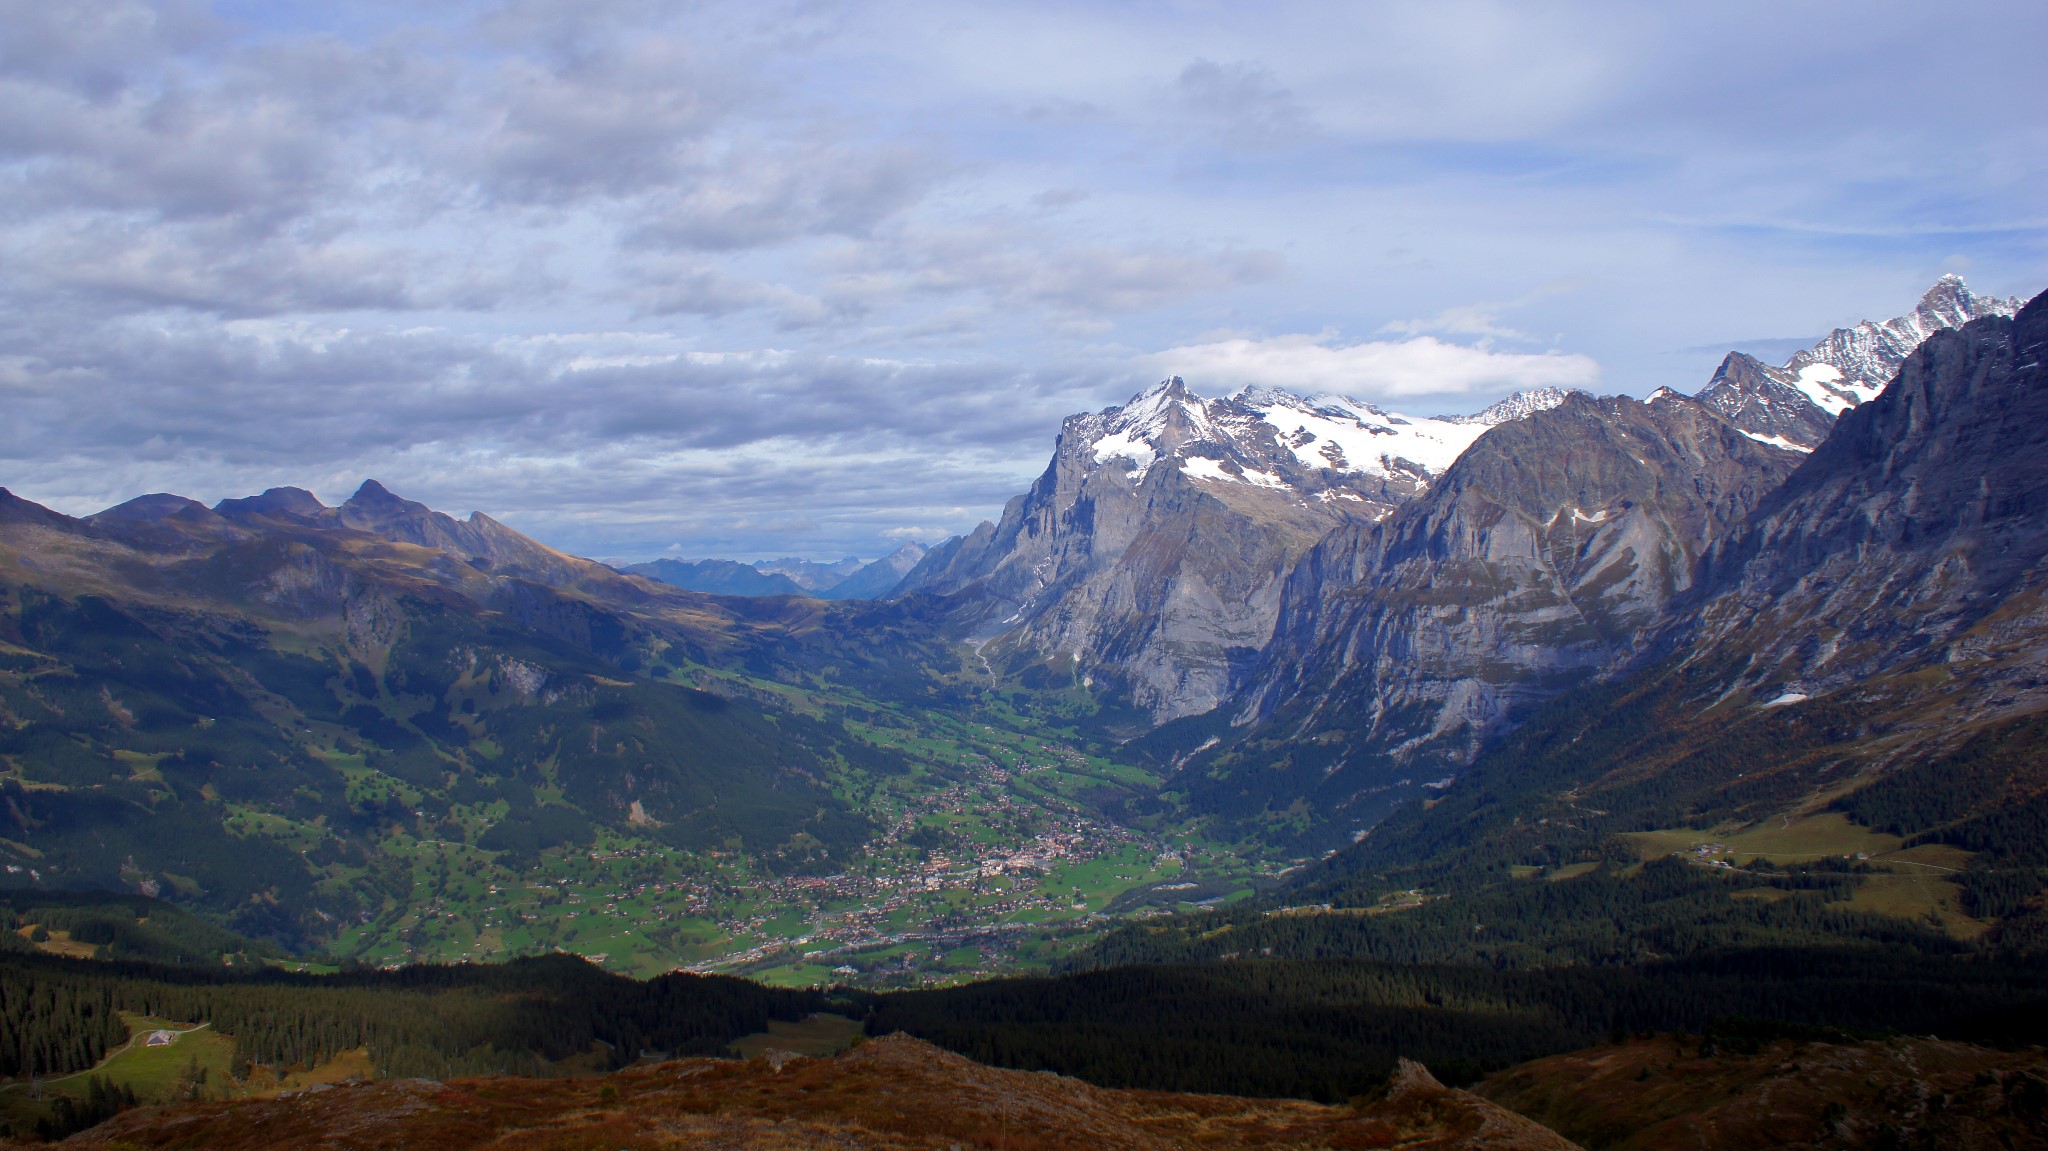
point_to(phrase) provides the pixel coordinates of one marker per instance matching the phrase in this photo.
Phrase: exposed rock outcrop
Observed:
(1535, 564)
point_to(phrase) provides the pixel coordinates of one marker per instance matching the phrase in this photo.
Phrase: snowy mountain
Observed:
(1795, 405)
(1351, 454)
(1148, 560)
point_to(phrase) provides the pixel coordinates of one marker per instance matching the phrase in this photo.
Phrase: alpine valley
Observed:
(1265, 741)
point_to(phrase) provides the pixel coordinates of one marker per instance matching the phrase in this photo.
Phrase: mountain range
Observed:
(1338, 604)
(1267, 742)
(849, 578)
(1240, 630)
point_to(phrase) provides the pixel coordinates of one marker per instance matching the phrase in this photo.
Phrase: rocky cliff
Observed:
(1916, 534)
(1148, 560)
(1534, 564)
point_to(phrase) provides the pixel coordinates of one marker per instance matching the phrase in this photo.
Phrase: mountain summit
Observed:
(1795, 405)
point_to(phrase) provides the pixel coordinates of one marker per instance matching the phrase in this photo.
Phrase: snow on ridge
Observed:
(1866, 356)
(1521, 405)
(1124, 445)
(1775, 441)
(1204, 468)
(1270, 433)
(1350, 435)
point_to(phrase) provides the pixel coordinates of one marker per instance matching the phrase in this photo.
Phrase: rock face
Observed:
(1534, 563)
(1917, 533)
(1795, 405)
(1150, 556)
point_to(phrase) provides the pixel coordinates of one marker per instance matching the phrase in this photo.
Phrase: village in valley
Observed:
(994, 855)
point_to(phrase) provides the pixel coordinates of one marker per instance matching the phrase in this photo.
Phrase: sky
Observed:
(757, 279)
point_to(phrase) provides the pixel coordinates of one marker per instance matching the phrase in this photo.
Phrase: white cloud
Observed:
(1425, 366)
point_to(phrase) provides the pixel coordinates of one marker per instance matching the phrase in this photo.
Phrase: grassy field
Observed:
(197, 1059)
(1909, 883)
(815, 1035)
(1780, 839)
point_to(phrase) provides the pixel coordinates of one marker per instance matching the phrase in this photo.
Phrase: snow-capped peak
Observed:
(1799, 402)
(1518, 406)
(1852, 365)
(1155, 422)
(1265, 437)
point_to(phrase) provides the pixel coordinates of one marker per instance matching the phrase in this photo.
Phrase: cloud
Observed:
(753, 195)
(1027, 267)
(612, 443)
(1242, 103)
(1462, 320)
(611, 121)
(1424, 366)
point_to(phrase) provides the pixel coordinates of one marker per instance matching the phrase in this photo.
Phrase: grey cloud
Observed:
(214, 267)
(754, 195)
(96, 49)
(1053, 199)
(272, 391)
(1243, 103)
(596, 444)
(612, 122)
(1024, 267)
(173, 154)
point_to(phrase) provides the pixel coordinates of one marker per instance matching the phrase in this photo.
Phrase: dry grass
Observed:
(815, 1035)
(1669, 1092)
(891, 1093)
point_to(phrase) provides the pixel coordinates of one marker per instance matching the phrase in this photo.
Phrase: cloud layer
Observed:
(1424, 366)
(742, 279)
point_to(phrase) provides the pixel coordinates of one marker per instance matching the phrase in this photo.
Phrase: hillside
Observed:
(893, 1093)
(379, 729)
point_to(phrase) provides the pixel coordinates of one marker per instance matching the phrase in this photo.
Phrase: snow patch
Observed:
(1814, 379)
(1370, 439)
(1127, 446)
(1776, 441)
(1788, 697)
(1204, 468)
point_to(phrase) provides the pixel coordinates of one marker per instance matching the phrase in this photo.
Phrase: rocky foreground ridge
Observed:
(902, 1094)
(890, 1094)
